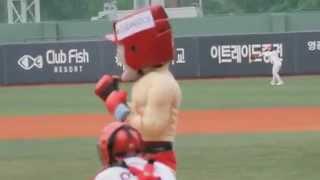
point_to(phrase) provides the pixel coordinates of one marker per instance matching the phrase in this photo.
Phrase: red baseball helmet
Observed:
(146, 36)
(118, 140)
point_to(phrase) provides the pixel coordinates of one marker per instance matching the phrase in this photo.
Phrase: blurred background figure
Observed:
(273, 57)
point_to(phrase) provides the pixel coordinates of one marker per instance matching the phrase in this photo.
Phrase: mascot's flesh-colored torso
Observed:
(154, 105)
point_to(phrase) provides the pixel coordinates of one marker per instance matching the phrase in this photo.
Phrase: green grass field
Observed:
(290, 156)
(279, 156)
(197, 94)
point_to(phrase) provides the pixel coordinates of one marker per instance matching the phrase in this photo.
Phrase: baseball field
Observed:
(229, 129)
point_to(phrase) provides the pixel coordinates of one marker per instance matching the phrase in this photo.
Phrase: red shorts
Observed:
(162, 152)
(167, 157)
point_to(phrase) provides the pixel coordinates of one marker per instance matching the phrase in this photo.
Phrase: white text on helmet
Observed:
(134, 24)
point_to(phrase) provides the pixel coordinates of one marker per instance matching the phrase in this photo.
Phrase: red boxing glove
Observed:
(114, 99)
(106, 85)
(116, 104)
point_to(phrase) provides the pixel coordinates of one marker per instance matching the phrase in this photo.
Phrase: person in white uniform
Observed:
(276, 61)
(120, 147)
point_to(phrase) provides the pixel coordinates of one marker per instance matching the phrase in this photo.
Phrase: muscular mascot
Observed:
(145, 48)
(120, 147)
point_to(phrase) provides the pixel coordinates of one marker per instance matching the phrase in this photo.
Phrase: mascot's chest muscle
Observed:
(140, 92)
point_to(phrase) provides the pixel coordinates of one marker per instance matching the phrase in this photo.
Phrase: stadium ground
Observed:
(191, 122)
(232, 129)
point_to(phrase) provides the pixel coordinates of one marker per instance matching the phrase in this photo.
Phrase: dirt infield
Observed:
(191, 122)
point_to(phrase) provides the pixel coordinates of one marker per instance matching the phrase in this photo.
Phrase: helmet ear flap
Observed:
(125, 141)
(104, 141)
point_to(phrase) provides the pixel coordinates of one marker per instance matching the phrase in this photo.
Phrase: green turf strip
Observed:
(287, 156)
(197, 94)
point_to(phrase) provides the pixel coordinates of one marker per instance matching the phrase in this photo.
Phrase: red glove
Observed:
(114, 99)
(116, 104)
(106, 85)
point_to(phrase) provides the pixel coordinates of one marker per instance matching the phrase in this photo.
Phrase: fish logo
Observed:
(27, 62)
